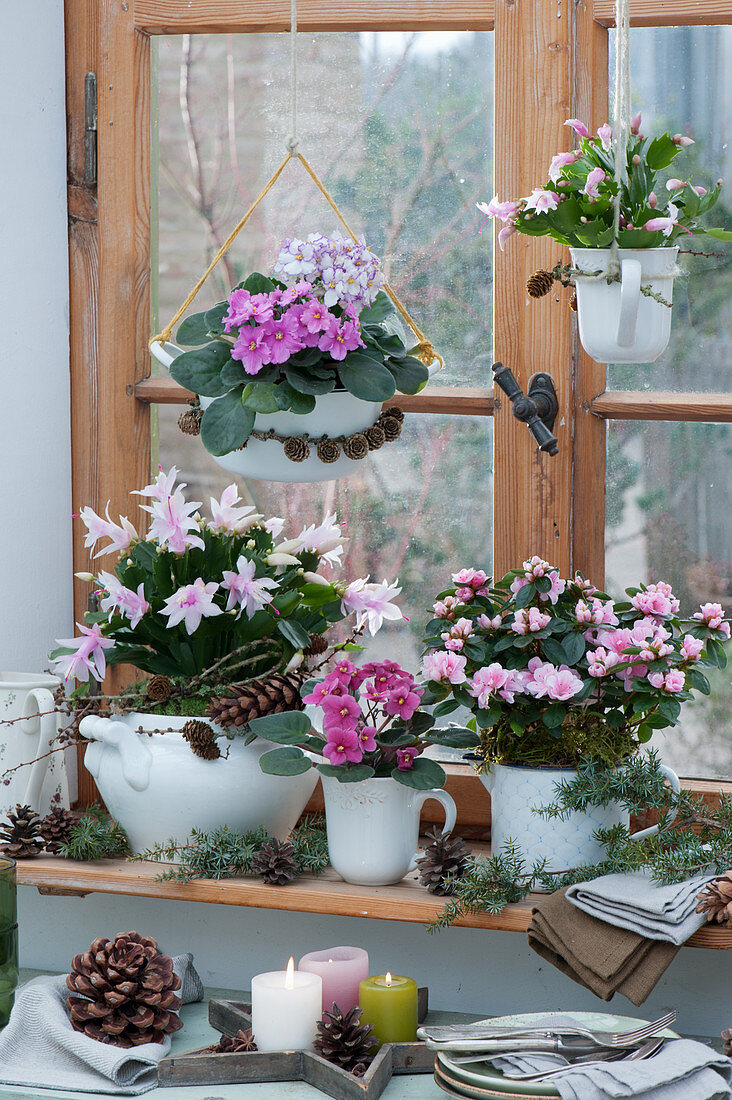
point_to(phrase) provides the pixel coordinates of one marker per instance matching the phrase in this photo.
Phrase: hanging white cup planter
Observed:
(618, 321)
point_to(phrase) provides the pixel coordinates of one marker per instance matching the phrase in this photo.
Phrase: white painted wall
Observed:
(35, 532)
(466, 969)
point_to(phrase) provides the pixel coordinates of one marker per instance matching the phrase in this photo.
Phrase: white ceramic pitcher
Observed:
(373, 828)
(43, 783)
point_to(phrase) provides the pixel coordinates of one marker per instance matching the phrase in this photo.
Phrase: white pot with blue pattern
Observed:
(517, 792)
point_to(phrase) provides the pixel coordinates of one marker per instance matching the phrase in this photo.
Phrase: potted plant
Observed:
(221, 616)
(292, 370)
(555, 673)
(624, 314)
(369, 752)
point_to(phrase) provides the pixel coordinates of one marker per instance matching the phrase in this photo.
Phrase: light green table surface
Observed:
(198, 1033)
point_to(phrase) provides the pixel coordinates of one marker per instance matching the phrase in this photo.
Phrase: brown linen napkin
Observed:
(601, 957)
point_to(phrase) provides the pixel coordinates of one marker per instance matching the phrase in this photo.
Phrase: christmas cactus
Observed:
(555, 671)
(203, 603)
(275, 344)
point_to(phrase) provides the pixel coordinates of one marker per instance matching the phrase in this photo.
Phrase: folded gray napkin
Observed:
(682, 1070)
(39, 1047)
(634, 901)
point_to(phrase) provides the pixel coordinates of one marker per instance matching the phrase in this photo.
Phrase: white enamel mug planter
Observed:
(618, 323)
(517, 791)
(334, 414)
(157, 788)
(24, 737)
(373, 828)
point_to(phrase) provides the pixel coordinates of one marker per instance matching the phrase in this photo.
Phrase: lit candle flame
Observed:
(330, 960)
(290, 975)
(388, 978)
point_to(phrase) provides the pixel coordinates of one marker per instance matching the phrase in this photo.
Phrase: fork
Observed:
(646, 1051)
(442, 1038)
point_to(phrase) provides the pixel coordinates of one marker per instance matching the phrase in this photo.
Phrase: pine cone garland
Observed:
(189, 422)
(127, 991)
(345, 1041)
(716, 899)
(356, 446)
(391, 426)
(275, 862)
(539, 284)
(296, 448)
(394, 411)
(273, 694)
(55, 829)
(375, 437)
(328, 450)
(241, 1043)
(447, 856)
(20, 835)
(159, 688)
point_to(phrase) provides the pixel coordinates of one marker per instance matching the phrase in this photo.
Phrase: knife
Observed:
(513, 1044)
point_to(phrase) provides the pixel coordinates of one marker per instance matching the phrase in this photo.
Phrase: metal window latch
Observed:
(537, 409)
(90, 129)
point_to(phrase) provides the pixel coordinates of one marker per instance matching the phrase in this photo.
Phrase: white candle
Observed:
(286, 1006)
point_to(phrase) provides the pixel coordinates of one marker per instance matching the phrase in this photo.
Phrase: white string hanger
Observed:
(621, 119)
(292, 141)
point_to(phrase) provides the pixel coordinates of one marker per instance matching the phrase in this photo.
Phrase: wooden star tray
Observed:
(202, 1067)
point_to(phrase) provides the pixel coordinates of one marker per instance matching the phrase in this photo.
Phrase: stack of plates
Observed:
(480, 1081)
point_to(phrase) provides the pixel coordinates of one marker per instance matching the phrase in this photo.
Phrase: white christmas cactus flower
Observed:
(200, 600)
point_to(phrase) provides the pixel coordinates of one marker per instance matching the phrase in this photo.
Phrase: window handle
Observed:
(537, 409)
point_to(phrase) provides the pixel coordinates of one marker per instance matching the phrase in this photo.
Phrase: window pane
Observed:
(669, 517)
(680, 82)
(398, 126)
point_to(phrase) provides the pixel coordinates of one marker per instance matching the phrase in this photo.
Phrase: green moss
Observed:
(584, 734)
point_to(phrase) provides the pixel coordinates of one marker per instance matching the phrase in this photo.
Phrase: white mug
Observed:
(373, 828)
(24, 696)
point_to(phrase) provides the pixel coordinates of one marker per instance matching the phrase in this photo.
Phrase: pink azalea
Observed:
(594, 179)
(601, 661)
(529, 620)
(465, 594)
(441, 667)
(120, 535)
(492, 680)
(542, 200)
(712, 616)
(251, 349)
(535, 567)
(225, 516)
(131, 604)
(555, 683)
(579, 127)
(173, 522)
(504, 211)
(340, 712)
(403, 700)
(282, 338)
(191, 603)
(691, 648)
(371, 603)
(596, 612)
(406, 758)
(657, 599)
(557, 587)
(244, 590)
(560, 161)
(672, 682)
(343, 747)
(518, 584)
(446, 609)
(605, 134)
(88, 656)
(366, 738)
(455, 637)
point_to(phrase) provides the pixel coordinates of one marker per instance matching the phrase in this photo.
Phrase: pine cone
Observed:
(20, 835)
(394, 411)
(318, 644)
(275, 862)
(727, 1041)
(56, 827)
(241, 1043)
(716, 899)
(391, 426)
(197, 732)
(189, 422)
(573, 303)
(296, 448)
(207, 750)
(271, 695)
(445, 856)
(356, 446)
(539, 284)
(127, 991)
(375, 437)
(344, 1040)
(159, 688)
(328, 450)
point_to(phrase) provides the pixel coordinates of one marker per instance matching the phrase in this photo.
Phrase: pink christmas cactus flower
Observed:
(120, 535)
(245, 591)
(712, 616)
(406, 758)
(605, 134)
(88, 656)
(444, 667)
(657, 600)
(372, 603)
(672, 682)
(504, 234)
(666, 224)
(342, 747)
(542, 200)
(592, 183)
(132, 605)
(579, 127)
(504, 211)
(173, 523)
(192, 603)
(635, 124)
(560, 161)
(326, 540)
(227, 517)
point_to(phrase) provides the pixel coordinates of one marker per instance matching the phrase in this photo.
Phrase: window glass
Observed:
(681, 82)
(669, 517)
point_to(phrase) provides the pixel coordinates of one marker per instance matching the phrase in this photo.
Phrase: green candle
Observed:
(389, 1003)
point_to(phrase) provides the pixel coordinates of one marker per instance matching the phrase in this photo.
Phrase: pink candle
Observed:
(341, 968)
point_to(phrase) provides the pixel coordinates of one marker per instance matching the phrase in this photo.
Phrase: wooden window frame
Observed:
(551, 506)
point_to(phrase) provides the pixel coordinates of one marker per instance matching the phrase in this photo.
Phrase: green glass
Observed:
(8, 971)
(8, 894)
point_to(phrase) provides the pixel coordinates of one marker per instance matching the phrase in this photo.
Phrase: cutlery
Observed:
(646, 1051)
(446, 1034)
(509, 1043)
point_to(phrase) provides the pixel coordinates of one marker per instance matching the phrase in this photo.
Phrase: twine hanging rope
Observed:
(621, 119)
(424, 349)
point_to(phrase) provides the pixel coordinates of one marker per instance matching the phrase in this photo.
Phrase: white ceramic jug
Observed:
(24, 738)
(373, 828)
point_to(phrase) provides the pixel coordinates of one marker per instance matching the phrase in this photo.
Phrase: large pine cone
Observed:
(445, 858)
(272, 694)
(345, 1041)
(716, 899)
(20, 835)
(56, 828)
(127, 991)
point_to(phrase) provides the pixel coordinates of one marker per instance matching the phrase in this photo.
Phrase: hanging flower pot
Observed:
(292, 371)
(627, 321)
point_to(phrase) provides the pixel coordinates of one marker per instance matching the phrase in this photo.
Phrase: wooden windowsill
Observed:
(407, 901)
